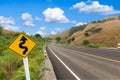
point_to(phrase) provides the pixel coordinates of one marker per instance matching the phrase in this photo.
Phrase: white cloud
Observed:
(53, 33)
(95, 7)
(27, 33)
(38, 19)
(11, 27)
(28, 20)
(29, 23)
(80, 23)
(43, 28)
(4, 20)
(41, 31)
(8, 23)
(73, 21)
(55, 15)
(58, 29)
(26, 16)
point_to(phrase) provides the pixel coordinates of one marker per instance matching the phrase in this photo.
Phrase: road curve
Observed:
(85, 63)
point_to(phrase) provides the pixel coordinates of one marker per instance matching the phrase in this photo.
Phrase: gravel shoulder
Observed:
(49, 73)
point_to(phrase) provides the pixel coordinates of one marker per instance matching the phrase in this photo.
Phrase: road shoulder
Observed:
(49, 73)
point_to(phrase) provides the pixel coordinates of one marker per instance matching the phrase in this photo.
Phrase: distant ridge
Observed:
(105, 32)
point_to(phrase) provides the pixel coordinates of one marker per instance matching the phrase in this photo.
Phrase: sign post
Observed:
(22, 45)
(26, 67)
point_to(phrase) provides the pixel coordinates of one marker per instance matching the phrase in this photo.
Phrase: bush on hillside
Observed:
(75, 29)
(85, 42)
(70, 40)
(1, 30)
(93, 30)
(93, 45)
(97, 30)
(104, 20)
(58, 39)
(86, 33)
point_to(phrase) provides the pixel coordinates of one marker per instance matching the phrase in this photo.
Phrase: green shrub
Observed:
(85, 42)
(76, 28)
(19, 74)
(86, 33)
(1, 51)
(72, 39)
(34, 68)
(68, 41)
(58, 39)
(1, 29)
(93, 45)
(3, 74)
(97, 30)
(119, 17)
(93, 30)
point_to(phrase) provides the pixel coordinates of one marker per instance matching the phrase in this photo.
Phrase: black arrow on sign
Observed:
(23, 40)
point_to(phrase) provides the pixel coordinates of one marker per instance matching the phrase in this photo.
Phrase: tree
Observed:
(1, 29)
(58, 39)
(76, 28)
(86, 33)
(85, 42)
(38, 35)
(98, 30)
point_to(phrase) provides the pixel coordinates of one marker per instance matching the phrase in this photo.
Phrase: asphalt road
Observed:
(75, 63)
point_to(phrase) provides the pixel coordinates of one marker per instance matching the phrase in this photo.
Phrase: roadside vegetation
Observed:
(11, 64)
(85, 42)
(91, 45)
(92, 31)
(104, 20)
(76, 28)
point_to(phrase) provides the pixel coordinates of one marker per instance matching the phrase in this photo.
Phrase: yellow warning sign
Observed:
(22, 45)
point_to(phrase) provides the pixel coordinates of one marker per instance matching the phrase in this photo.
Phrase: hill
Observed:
(63, 35)
(105, 32)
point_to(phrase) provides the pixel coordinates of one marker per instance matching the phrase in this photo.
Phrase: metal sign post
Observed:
(26, 67)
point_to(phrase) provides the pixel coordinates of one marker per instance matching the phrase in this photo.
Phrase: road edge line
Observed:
(65, 65)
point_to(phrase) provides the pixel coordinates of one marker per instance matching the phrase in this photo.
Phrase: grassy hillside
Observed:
(105, 32)
(11, 64)
(62, 35)
(65, 36)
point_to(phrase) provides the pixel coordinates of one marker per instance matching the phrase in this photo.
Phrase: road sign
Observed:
(22, 45)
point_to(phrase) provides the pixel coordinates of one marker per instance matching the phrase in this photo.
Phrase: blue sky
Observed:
(48, 17)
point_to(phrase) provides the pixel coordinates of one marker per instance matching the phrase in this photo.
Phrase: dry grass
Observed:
(109, 36)
(63, 35)
(8, 32)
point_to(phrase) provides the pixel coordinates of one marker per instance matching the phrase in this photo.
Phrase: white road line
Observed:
(65, 66)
